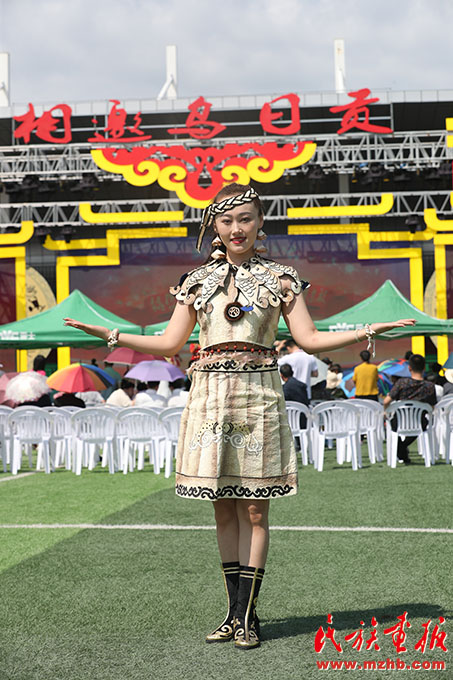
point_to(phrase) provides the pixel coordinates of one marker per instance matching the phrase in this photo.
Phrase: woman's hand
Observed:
(98, 331)
(379, 328)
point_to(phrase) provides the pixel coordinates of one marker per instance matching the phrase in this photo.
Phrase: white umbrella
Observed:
(28, 386)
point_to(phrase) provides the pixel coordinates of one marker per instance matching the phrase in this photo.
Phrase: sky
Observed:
(85, 50)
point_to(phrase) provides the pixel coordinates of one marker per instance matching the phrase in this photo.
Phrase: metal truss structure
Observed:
(337, 154)
(66, 214)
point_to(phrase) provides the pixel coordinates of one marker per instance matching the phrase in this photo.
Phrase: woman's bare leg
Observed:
(227, 529)
(253, 518)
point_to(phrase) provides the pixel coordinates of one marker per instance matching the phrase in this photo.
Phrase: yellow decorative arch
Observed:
(14, 249)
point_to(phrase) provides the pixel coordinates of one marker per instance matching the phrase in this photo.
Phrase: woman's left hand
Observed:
(379, 328)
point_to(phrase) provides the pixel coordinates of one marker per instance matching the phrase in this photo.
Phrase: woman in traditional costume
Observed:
(235, 446)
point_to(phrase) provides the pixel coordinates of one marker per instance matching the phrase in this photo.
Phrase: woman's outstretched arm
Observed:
(168, 344)
(306, 335)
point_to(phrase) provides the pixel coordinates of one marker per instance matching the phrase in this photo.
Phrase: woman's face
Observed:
(238, 228)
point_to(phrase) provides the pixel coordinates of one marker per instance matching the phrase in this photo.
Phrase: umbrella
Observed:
(27, 386)
(348, 386)
(79, 378)
(4, 380)
(390, 363)
(397, 367)
(103, 375)
(128, 357)
(449, 362)
(154, 371)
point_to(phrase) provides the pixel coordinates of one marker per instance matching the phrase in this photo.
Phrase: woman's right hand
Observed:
(98, 331)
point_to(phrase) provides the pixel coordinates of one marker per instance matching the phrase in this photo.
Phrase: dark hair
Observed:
(417, 363)
(327, 361)
(39, 363)
(365, 355)
(232, 189)
(176, 384)
(408, 355)
(153, 384)
(435, 367)
(141, 387)
(336, 366)
(286, 371)
(290, 343)
(126, 384)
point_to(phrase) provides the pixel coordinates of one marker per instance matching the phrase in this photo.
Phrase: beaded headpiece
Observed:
(214, 209)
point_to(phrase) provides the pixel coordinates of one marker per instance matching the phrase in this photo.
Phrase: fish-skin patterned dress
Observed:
(234, 440)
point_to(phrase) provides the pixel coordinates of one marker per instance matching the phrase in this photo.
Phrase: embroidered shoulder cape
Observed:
(258, 280)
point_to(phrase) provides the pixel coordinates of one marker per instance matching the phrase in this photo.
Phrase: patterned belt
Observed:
(231, 360)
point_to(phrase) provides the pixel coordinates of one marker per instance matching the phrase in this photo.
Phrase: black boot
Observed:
(230, 572)
(246, 623)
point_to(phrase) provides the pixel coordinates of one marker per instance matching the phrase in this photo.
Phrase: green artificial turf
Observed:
(116, 604)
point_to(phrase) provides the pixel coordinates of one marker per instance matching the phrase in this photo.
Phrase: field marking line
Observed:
(194, 527)
(22, 474)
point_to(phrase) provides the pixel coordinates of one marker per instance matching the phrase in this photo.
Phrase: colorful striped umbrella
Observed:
(348, 386)
(79, 378)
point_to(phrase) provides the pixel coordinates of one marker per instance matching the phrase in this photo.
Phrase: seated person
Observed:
(416, 389)
(68, 399)
(123, 395)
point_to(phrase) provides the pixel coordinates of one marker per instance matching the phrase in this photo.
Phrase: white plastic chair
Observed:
(440, 424)
(371, 424)
(136, 430)
(70, 409)
(30, 425)
(410, 416)
(5, 412)
(337, 420)
(61, 439)
(294, 409)
(94, 430)
(170, 419)
(444, 412)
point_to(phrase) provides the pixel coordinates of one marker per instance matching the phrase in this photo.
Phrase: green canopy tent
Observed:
(386, 304)
(47, 330)
(159, 328)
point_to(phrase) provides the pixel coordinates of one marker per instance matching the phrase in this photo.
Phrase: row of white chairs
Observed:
(77, 438)
(347, 422)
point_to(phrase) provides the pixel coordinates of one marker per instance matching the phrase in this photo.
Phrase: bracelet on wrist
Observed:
(112, 339)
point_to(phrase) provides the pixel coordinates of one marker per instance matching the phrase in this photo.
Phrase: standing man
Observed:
(365, 378)
(304, 365)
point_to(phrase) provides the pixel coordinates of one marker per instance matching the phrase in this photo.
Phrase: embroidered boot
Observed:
(224, 632)
(246, 623)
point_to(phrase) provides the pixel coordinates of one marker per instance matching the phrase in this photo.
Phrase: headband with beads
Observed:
(214, 209)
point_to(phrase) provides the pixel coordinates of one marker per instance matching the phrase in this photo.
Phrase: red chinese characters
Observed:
(197, 124)
(45, 126)
(437, 637)
(322, 636)
(356, 637)
(353, 111)
(267, 116)
(398, 633)
(115, 130)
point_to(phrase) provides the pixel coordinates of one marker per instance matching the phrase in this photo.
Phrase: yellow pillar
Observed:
(416, 281)
(440, 265)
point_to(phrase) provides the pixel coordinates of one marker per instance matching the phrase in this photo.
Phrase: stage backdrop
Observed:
(138, 289)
